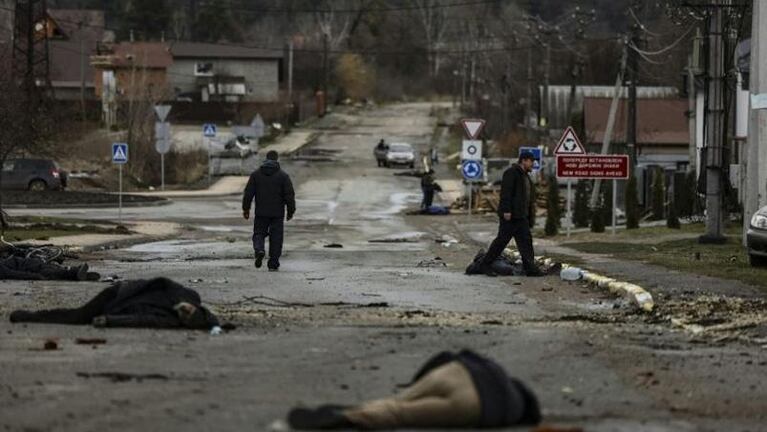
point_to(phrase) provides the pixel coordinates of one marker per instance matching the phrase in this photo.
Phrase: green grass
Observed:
(44, 228)
(635, 235)
(727, 261)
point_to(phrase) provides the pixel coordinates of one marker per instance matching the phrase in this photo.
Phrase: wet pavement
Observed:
(348, 323)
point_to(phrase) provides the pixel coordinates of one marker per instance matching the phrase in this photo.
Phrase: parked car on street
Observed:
(400, 154)
(33, 174)
(756, 238)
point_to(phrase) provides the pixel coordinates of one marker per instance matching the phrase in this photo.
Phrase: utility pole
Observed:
(529, 100)
(545, 99)
(325, 64)
(715, 126)
(290, 71)
(82, 78)
(633, 76)
(756, 168)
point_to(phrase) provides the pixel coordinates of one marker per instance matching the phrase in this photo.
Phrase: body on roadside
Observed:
(517, 215)
(272, 191)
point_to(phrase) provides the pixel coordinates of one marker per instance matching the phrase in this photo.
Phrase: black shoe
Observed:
(274, 269)
(324, 417)
(536, 272)
(260, 258)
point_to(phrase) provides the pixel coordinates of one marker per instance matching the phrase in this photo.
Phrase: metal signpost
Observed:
(120, 157)
(162, 137)
(471, 156)
(209, 132)
(569, 144)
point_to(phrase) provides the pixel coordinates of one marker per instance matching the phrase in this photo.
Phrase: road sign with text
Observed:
(593, 166)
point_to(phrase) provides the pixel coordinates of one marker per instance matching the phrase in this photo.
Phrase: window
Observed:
(203, 69)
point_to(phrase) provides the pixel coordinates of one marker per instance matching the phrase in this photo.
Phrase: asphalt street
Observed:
(349, 323)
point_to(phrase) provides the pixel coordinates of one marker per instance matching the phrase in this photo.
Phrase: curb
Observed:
(157, 203)
(635, 293)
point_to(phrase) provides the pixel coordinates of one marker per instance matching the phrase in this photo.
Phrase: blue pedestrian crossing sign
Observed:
(471, 169)
(119, 153)
(537, 163)
(209, 130)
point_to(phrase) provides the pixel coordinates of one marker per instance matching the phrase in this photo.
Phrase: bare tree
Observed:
(433, 18)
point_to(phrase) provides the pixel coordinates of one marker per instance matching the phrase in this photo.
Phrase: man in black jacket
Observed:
(273, 192)
(517, 216)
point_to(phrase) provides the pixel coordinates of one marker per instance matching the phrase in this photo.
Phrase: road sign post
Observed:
(471, 156)
(569, 214)
(569, 144)
(162, 144)
(120, 158)
(209, 131)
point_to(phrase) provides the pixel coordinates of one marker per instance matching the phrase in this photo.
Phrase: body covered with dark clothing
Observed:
(153, 303)
(19, 268)
(271, 189)
(462, 389)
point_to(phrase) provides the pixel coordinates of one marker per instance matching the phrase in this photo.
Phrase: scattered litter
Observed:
(334, 246)
(567, 390)
(122, 376)
(357, 305)
(491, 322)
(90, 341)
(395, 240)
(279, 426)
(50, 345)
(112, 278)
(446, 240)
(198, 280)
(216, 330)
(435, 262)
(315, 278)
(571, 274)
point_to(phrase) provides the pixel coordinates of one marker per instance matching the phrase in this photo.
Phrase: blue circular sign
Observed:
(472, 170)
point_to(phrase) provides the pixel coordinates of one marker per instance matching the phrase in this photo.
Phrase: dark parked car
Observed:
(33, 174)
(756, 238)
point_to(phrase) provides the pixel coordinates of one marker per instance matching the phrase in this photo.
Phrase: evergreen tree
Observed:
(148, 19)
(597, 219)
(672, 220)
(581, 213)
(553, 212)
(658, 194)
(632, 204)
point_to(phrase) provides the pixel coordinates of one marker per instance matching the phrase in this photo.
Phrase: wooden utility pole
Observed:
(633, 77)
(715, 126)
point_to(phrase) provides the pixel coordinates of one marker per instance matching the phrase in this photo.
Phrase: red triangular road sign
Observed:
(473, 127)
(569, 144)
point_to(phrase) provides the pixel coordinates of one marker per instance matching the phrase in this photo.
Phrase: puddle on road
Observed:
(192, 247)
(225, 229)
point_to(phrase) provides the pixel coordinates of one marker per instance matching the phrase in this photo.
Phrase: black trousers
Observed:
(519, 230)
(428, 198)
(274, 228)
(82, 315)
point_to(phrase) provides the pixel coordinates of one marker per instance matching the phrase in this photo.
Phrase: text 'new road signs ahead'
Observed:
(473, 127)
(471, 169)
(569, 144)
(119, 153)
(593, 167)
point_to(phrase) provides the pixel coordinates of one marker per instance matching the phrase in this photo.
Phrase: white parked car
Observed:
(400, 154)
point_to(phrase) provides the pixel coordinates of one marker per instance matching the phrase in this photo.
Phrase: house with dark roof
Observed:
(207, 72)
(132, 71)
(73, 36)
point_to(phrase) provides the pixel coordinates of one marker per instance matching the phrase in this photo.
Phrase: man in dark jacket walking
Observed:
(273, 192)
(517, 216)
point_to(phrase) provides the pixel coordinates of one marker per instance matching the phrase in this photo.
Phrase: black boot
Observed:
(260, 258)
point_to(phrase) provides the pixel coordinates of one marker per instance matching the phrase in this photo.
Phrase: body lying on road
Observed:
(154, 303)
(451, 390)
(20, 268)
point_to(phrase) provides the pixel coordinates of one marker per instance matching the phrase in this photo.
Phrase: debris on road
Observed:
(432, 262)
(51, 345)
(334, 246)
(571, 274)
(90, 341)
(119, 377)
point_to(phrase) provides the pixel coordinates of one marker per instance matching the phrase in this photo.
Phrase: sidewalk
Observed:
(291, 143)
(143, 232)
(224, 186)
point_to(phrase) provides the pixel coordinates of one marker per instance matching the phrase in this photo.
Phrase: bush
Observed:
(632, 204)
(356, 78)
(658, 194)
(553, 212)
(581, 212)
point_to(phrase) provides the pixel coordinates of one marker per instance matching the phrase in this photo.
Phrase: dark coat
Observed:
(272, 190)
(515, 198)
(155, 298)
(505, 400)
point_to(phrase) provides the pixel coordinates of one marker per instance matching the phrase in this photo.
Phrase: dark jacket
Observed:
(151, 302)
(515, 197)
(505, 400)
(272, 190)
(428, 183)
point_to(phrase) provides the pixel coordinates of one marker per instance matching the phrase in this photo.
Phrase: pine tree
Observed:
(632, 204)
(581, 212)
(658, 194)
(553, 213)
(672, 220)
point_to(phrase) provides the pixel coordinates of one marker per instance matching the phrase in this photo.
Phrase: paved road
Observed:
(308, 334)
